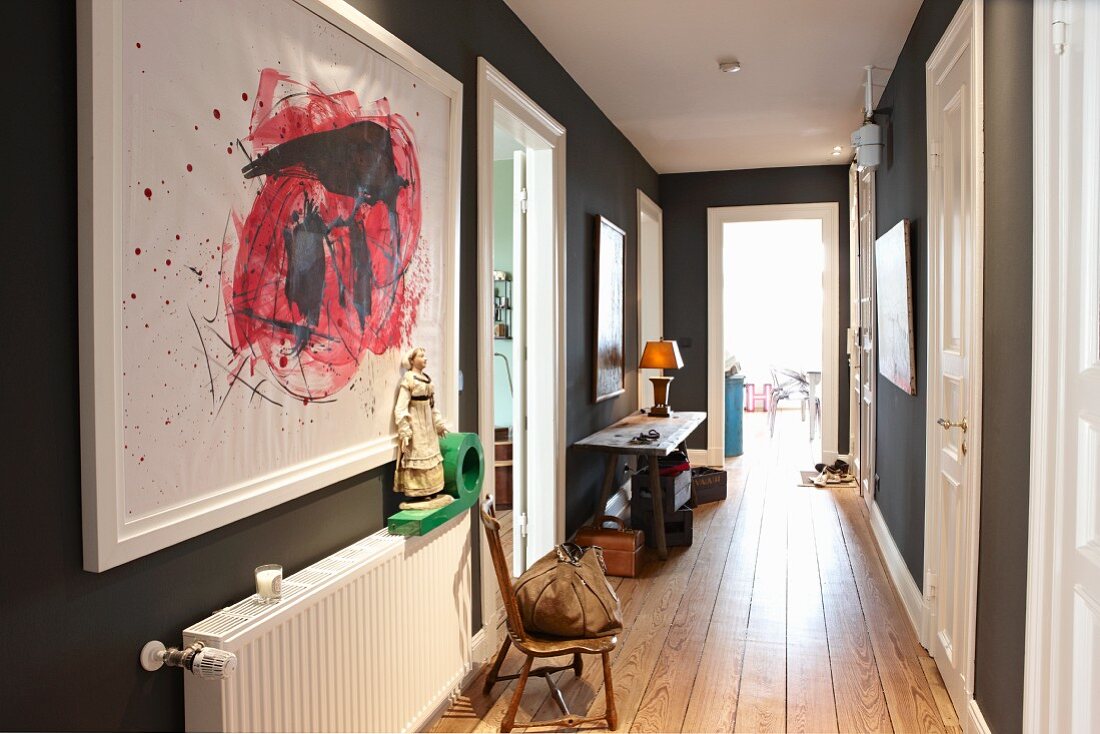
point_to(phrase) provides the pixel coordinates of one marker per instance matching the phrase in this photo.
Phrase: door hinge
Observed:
(934, 153)
(1058, 26)
(931, 579)
(521, 521)
(523, 201)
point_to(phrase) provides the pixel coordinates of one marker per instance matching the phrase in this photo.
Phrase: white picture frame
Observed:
(110, 539)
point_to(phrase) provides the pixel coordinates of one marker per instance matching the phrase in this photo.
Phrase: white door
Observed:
(1062, 680)
(519, 373)
(868, 369)
(954, 334)
(650, 285)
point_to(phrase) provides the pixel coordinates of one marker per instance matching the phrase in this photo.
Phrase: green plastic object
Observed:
(463, 475)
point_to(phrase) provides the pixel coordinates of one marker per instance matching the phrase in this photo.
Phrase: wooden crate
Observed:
(709, 484)
(678, 526)
(675, 491)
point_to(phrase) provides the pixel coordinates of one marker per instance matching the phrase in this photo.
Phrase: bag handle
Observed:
(617, 521)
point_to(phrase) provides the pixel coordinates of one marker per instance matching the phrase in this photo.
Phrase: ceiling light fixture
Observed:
(837, 150)
(729, 67)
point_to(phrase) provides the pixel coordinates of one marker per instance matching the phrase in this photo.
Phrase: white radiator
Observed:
(373, 638)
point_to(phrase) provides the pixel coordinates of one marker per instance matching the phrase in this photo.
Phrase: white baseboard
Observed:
(714, 456)
(911, 597)
(975, 722)
(620, 501)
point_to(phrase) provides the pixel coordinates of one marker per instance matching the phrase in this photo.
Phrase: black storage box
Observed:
(677, 526)
(675, 491)
(709, 484)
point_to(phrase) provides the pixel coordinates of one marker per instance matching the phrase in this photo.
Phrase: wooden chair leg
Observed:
(494, 671)
(611, 715)
(510, 716)
(578, 664)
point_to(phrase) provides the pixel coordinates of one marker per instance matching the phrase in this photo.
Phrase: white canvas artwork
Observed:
(282, 184)
(896, 354)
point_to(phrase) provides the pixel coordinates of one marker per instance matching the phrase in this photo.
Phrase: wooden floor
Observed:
(780, 617)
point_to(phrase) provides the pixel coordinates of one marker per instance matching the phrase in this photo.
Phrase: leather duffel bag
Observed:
(566, 594)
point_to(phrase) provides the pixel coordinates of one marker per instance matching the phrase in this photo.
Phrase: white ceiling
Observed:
(652, 67)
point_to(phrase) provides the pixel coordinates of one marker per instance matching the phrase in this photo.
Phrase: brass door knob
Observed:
(947, 425)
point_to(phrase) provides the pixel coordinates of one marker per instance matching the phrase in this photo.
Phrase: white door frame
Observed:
(1062, 101)
(869, 363)
(968, 19)
(829, 214)
(648, 208)
(501, 102)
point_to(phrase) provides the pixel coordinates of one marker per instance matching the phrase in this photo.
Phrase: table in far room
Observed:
(615, 440)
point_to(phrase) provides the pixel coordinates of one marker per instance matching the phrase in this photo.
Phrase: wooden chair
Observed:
(535, 646)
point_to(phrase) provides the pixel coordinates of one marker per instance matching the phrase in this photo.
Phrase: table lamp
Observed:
(661, 355)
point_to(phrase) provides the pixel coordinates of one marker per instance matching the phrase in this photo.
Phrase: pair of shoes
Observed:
(831, 475)
(840, 465)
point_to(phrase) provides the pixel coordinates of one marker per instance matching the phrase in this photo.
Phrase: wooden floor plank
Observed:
(860, 701)
(665, 701)
(713, 703)
(908, 696)
(761, 700)
(939, 691)
(810, 703)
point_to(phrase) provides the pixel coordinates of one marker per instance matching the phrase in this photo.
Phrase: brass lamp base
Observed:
(660, 408)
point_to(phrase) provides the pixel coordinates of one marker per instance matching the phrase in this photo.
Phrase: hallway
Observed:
(780, 617)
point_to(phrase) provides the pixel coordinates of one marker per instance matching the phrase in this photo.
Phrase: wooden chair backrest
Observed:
(504, 576)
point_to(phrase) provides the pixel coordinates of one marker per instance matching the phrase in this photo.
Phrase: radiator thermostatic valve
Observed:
(209, 663)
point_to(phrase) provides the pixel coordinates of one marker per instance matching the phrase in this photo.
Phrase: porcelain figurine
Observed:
(419, 473)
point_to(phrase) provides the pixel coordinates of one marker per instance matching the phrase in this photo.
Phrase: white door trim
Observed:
(829, 214)
(1045, 408)
(648, 208)
(968, 19)
(500, 101)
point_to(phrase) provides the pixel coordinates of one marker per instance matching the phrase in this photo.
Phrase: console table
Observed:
(615, 440)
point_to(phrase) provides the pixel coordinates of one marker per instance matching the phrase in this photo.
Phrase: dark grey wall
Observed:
(901, 192)
(685, 198)
(1006, 372)
(86, 628)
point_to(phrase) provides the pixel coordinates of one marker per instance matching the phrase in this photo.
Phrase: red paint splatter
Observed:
(177, 237)
(138, 45)
(362, 298)
(133, 296)
(137, 250)
(196, 127)
(244, 96)
(217, 114)
(229, 150)
(189, 168)
(167, 262)
(148, 193)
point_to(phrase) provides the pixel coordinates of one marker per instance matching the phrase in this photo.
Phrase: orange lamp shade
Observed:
(661, 355)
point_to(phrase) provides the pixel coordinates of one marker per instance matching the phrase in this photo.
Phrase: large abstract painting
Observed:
(896, 351)
(610, 257)
(273, 226)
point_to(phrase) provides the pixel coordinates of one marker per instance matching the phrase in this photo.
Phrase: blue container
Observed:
(735, 413)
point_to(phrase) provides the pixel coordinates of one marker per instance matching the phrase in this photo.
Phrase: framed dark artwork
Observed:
(609, 377)
(272, 222)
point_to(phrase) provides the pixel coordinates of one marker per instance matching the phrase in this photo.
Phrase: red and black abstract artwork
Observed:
(318, 280)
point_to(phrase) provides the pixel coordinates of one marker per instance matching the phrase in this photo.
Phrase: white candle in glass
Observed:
(269, 582)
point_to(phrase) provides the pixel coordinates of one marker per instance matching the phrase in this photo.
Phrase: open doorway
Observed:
(774, 305)
(521, 249)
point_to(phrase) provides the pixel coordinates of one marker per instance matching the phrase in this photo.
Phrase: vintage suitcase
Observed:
(622, 547)
(709, 484)
(677, 526)
(675, 490)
